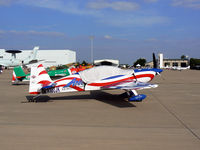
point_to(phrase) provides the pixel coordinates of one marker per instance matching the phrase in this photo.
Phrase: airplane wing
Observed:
(36, 61)
(130, 85)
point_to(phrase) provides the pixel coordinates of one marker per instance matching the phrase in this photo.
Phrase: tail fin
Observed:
(39, 78)
(18, 74)
(34, 52)
(32, 56)
(19, 71)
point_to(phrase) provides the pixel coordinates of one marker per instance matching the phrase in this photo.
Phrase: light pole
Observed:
(92, 48)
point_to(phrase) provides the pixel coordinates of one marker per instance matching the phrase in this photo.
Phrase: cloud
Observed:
(109, 12)
(76, 7)
(102, 11)
(116, 5)
(5, 2)
(152, 40)
(37, 33)
(151, 1)
(133, 20)
(70, 7)
(187, 3)
(2, 32)
(108, 37)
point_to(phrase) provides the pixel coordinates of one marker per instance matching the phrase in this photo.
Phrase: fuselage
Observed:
(74, 82)
(10, 62)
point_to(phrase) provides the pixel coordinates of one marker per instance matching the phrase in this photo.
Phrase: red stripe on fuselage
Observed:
(62, 85)
(76, 88)
(34, 92)
(137, 77)
(145, 75)
(108, 83)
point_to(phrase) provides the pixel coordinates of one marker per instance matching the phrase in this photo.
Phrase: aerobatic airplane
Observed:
(96, 78)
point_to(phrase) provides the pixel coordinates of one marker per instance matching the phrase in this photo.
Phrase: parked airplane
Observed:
(176, 68)
(96, 78)
(180, 68)
(19, 75)
(16, 62)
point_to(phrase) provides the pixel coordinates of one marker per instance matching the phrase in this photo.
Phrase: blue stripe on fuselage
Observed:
(112, 77)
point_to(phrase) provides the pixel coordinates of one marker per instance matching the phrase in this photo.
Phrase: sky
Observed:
(123, 29)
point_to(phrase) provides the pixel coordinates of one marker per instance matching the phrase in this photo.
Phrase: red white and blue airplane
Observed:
(96, 78)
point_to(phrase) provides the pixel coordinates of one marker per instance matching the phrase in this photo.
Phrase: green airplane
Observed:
(20, 75)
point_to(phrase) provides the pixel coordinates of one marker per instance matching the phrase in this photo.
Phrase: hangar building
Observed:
(46, 57)
(109, 62)
(162, 62)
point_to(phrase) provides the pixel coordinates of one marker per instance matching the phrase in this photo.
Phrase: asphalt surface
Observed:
(169, 118)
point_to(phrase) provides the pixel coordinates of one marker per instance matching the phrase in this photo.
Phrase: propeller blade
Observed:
(155, 65)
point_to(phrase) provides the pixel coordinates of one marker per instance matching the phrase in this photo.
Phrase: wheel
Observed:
(137, 98)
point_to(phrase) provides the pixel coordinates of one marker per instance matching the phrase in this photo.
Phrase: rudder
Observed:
(18, 74)
(38, 79)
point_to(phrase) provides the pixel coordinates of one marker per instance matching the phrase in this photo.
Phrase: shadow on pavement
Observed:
(112, 99)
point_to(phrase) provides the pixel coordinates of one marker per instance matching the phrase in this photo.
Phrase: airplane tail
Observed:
(39, 78)
(18, 74)
(14, 78)
(34, 52)
(32, 56)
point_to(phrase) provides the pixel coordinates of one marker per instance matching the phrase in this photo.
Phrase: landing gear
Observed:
(137, 98)
(32, 98)
(133, 96)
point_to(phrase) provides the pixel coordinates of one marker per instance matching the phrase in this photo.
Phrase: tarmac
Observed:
(169, 118)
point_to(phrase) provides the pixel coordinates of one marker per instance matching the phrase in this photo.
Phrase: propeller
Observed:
(155, 64)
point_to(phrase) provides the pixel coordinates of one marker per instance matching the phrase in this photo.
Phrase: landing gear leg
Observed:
(33, 99)
(126, 94)
(134, 96)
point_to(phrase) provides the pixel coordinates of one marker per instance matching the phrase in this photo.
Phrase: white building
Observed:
(160, 60)
(46, 57)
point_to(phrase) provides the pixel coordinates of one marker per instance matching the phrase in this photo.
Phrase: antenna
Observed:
(92, 48)
(13, 52)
